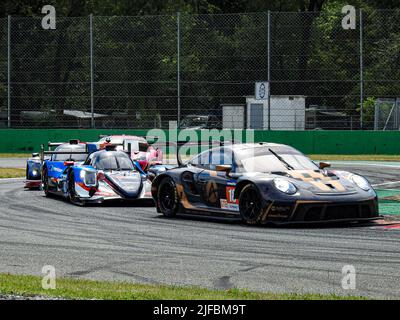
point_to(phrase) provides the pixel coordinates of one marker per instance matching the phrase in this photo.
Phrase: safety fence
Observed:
(201, 71)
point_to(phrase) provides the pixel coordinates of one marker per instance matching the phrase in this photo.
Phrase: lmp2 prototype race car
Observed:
(83, 177)
(34, 164)
(263, 183)
(33, 172)
(139, 149)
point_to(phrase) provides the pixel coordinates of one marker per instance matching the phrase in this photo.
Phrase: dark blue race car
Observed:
(261, 183)
(33, 172)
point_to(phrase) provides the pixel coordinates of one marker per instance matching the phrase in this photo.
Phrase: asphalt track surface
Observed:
(136, 244)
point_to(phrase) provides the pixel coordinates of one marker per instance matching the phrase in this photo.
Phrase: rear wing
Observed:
(57, 144)
(147, 138)
(50, 152)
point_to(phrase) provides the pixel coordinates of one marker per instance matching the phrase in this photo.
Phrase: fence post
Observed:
(361, 72)
(178, 65)
(269, 67)
(91, 71)
(9, 71)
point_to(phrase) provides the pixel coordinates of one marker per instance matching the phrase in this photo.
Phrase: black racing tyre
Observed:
(167, 198)
(71, 188)
(250, 204)
(45, 181)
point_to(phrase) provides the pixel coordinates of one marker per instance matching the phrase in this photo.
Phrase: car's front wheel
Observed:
(45, 181)
(71, 188)
(250, 204)
(167, 197)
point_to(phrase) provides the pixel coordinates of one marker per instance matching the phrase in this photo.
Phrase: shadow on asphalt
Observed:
(148, 203)
(140, 203)
(239, 222)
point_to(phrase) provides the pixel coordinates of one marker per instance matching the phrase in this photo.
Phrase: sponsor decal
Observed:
(230, 203)
(53, 168)
(229, 206)
(211, 194)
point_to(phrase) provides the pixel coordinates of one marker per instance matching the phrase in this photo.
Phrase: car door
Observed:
(217, 187)
(190, 179)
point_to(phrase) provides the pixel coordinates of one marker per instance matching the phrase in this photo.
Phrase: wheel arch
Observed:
(239, 187)
(156, 183)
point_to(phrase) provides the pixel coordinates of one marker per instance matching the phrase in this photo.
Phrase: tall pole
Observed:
(269, 67)
(9, 71)
(91, 71)
(178, 65)
(361, 72)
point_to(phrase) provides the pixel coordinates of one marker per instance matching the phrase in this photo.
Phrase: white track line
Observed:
(11, 179)
(366, 164)
(385, 184)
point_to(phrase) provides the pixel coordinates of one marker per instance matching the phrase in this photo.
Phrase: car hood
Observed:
(317, 181)
(126, 183)
(323, 181)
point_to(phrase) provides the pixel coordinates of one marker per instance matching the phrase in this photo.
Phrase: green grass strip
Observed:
(12, 173)
(88, 289)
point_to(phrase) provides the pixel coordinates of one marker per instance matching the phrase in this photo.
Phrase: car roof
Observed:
(108, 152)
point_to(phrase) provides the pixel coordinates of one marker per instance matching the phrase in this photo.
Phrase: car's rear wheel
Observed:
(250, 204)
(167, 197)
(46, 182)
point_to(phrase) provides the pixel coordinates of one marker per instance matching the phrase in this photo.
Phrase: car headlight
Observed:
(361, 182)
(89, 178)
(34, 173)
(285, 186)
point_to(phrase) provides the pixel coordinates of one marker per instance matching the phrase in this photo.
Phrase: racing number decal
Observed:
(230, 195)
(211, 194)
(230, 203)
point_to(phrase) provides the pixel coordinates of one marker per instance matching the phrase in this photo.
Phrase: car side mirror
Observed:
(224, 168)
(323, 165)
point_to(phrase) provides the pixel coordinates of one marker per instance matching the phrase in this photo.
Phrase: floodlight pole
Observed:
(91, 70)
(269, 67)
(361, 72)
(178, 65)
(9, 71)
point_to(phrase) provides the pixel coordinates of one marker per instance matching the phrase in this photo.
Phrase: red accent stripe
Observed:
(394, 226)
(82, 185)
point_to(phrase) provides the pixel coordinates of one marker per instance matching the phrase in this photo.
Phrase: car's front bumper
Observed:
(320, 211)
(30, 184)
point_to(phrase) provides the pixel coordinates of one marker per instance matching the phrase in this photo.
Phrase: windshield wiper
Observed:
(287, 165)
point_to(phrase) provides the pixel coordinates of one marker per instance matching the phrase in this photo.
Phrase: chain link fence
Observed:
(201, 70)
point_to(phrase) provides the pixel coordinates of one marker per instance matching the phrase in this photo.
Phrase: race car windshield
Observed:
(70, 157)
(114, 162)
(264, 160)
